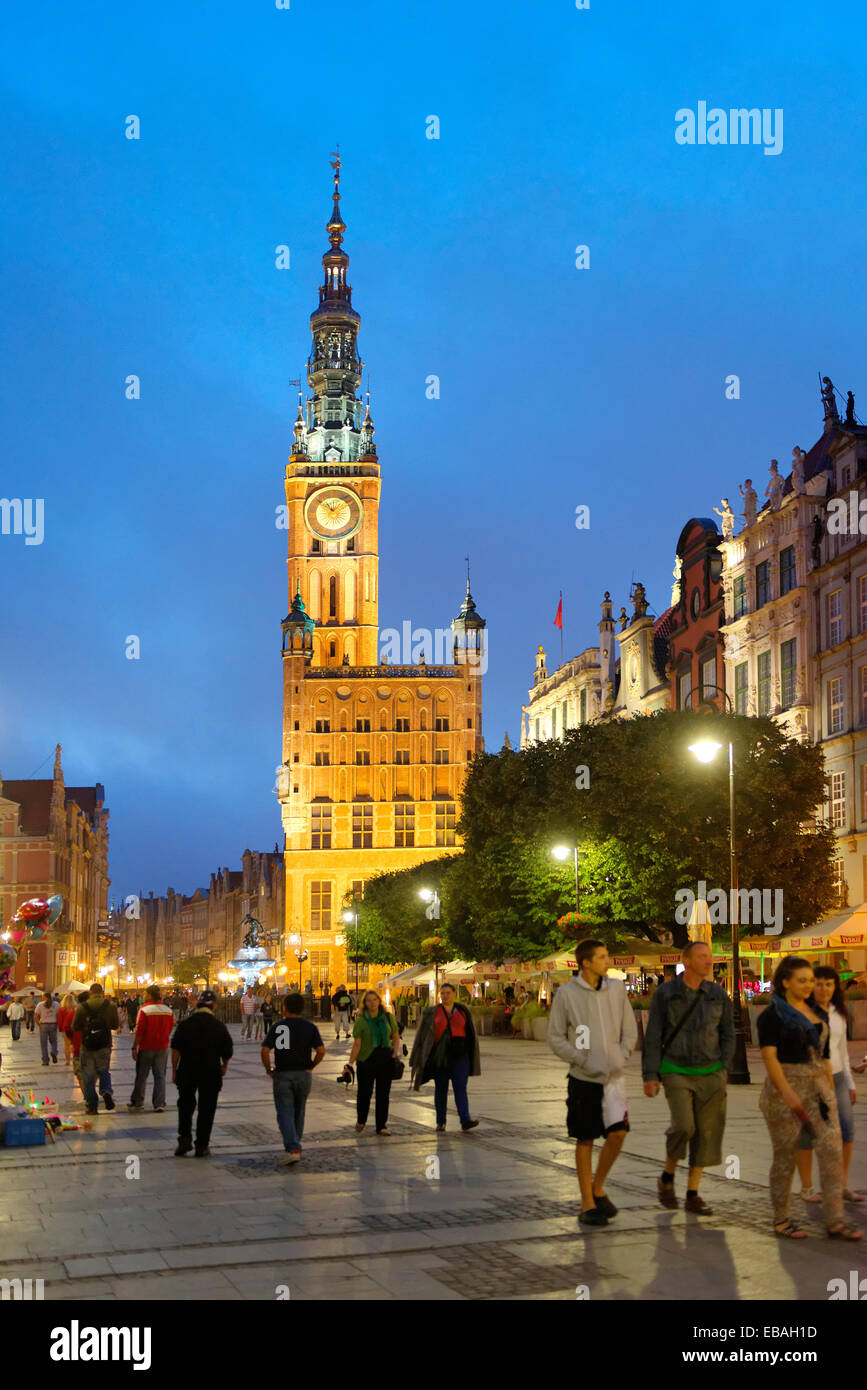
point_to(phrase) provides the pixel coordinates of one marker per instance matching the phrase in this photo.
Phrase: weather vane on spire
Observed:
(467, 558)
(335, 164)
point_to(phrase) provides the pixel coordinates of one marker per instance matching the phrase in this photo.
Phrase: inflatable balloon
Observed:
(33, 910)
(8, 956)
(37, 933)
(55, 906)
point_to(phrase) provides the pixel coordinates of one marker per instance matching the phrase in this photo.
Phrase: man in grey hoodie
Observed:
(592, 1027)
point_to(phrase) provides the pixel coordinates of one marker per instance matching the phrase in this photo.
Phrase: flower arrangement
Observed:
(434, 950)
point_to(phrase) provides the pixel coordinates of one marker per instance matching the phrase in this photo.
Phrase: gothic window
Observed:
(332, 597)
(401, 726)
(323, 726)
(362, 726)
(321, 760)
(442, 724)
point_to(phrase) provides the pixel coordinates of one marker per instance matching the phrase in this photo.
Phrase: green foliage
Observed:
(185, 970)
(651, 821)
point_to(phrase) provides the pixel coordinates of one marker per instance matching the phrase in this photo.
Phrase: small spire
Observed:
(467, 558)
(336, 226)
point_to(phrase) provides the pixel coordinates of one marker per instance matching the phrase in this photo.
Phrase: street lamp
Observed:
(562, 853)
(432, 913)
(299, 953)
(705, 750)
(349, 917)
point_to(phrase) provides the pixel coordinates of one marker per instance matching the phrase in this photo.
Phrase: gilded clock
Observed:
(332, 513)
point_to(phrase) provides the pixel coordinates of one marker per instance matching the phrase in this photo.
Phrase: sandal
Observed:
(850, 1196)
(809, 1194)
(841, 1230)
(789, 1230)
(359, 1128)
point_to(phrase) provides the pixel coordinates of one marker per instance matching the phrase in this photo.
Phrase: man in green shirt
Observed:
(688, 1048)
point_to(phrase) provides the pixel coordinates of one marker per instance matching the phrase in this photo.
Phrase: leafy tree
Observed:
(185, 970)
(391, 915)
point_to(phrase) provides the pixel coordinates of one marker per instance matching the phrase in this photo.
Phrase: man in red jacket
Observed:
(150, 1049)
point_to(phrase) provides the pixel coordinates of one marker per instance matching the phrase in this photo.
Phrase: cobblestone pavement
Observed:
(491, 1214)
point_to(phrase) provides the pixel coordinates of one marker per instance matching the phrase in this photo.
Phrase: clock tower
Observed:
(374, 755)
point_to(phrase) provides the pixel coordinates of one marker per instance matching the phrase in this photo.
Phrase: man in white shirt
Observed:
(15, 1013)
(46, 1017)
(248, 1013)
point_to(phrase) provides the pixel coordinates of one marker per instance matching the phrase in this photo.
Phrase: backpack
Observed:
(96, 1033)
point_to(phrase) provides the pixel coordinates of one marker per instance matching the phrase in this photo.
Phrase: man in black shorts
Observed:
(592, 1027)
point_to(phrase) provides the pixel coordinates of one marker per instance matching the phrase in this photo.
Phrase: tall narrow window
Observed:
(320, 906)
(788, 671)
(684, 686)
(582, 706)
(862, 603)
(320, 827)
(835, 617)
(708, 678)
(763, 682)
(404, 825)
(362, 827)
(739, 596)
(742, 688)
(445, 823)
(837, 800)
(332, 597)
(862, 688)
(554, 722)
(836, 706)
(787, 569)
(763, 583)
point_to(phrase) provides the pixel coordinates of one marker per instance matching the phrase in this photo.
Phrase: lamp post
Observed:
(350, 917)
(432, 913)
(562, 853)
(706, 750)
(299, 953)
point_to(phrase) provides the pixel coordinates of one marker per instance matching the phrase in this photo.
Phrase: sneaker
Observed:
(470, 1124)
(441, 1129)
(108, 1102)
(88, 1111)
(54, 1059)
(293, 1156)
(45, 1064)
(593, 1217)
(158, 1109)
(605, 1206)
(135, 1108)
(203, 1153)
(182, 1149)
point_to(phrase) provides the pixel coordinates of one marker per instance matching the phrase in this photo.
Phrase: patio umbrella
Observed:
(71, 987)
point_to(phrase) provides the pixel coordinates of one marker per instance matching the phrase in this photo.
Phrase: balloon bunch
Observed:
(32, 918)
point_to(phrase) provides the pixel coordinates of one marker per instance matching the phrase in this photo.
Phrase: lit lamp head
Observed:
(348, 917)
(561, 852)
(705, 750)
(426, 894)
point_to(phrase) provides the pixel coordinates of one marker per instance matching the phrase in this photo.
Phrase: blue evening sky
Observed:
(559, 386)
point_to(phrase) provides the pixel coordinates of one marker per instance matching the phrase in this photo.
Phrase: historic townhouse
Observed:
(374, 755)
(54, 839)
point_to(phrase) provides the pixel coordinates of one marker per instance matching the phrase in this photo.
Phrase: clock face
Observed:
(333, 513)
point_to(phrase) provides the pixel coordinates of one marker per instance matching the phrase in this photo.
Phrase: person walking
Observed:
(828, 994)
(65, 1015)
(15, 1013)
(592, 1027)
(131, 1006)
(46, 1017)
(445, 1050)
(248, 1014)
(259, 1019)
(341, 1007)
(291, 1050)
(201, 1048)
(150, 1049)
(688, 1048)
(269, 1012)
(375, 1046)
(30, 1011)
(795, 1036)
(96, 1019)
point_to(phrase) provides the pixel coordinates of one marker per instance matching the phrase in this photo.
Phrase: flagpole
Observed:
(562, 647)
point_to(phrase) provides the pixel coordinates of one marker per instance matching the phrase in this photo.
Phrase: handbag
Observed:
(397, 1068)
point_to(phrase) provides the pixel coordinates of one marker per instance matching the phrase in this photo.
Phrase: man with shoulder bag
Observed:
(688, 1047)
(96, 1019)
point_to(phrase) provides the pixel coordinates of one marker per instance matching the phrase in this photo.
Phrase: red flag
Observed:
(558, 619)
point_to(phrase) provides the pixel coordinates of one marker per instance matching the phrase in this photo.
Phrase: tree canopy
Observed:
(648, 820)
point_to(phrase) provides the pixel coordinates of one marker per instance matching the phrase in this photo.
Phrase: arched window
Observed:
(332, 597)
